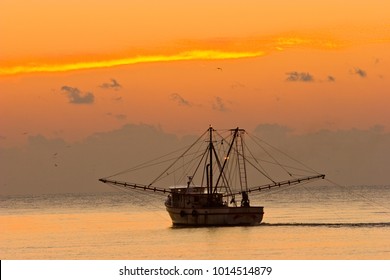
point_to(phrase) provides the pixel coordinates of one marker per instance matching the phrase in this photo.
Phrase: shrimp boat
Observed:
(214, 173)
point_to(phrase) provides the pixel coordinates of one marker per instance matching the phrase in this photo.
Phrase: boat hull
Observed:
(220, 216)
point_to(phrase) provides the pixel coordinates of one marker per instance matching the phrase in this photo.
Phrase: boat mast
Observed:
(210, 186)
(235, 133)
(241, 160)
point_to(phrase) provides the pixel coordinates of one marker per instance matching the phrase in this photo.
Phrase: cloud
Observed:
(219, 105)
(118, 99)
(119, 117)
(331, 79)
(299, 77)
(273, 129)
(175, 55)
(216, 48)
(113, 85)
(360, 72)
(77, 97)
(83, 162)
(237, 85)
(349, 157)
(180, 100)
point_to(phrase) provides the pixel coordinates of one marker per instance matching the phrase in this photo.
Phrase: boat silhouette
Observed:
(215, 169)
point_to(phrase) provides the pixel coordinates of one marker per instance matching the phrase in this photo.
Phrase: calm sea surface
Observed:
(299, 223)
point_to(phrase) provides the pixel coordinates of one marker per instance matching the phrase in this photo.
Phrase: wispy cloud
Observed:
(237, 85)
(112, 85)
(219, 105)
(299, 77)
(180, 100)
(360, 72)
(119, 117)
(118, 99)
(75, 96)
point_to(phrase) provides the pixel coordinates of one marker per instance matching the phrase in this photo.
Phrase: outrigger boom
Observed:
(128, 185)
(133, 186)
(282, 183)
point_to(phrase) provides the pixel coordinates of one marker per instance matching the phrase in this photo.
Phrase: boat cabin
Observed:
(193, 197)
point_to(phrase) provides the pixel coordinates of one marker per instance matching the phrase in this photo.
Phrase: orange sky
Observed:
(69, 69)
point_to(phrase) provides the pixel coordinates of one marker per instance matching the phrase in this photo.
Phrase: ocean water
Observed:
(300, 223)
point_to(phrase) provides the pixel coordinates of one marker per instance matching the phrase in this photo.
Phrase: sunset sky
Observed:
(71, 69)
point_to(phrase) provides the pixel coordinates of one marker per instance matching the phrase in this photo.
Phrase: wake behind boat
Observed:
(209, 175)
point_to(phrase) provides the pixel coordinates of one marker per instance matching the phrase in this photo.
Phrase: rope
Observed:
(155, 206)
(359, 195)
(144, 164)
(190, 147)
(280, 151)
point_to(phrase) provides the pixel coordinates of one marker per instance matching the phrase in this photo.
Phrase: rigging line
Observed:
(255, 167)
(127, 185)
(250, 152)
(276, 191)
(236, 176)
(189, 165)
(284, 183)
(227, 155)
(313, 193)
(231, 175)
(184, 165)
(203, 175)
(149, 165)
(224, 138)
(269, 192)
(287, 166)
(359, 195)
(143, 165)
(279, 189)
(129, 191)
(222, 174)
(280, 151)
(190, 147)
(272, 157)
(222, 150)
(201, 160)
(259, 170)
(180, 167)
(155, 206)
